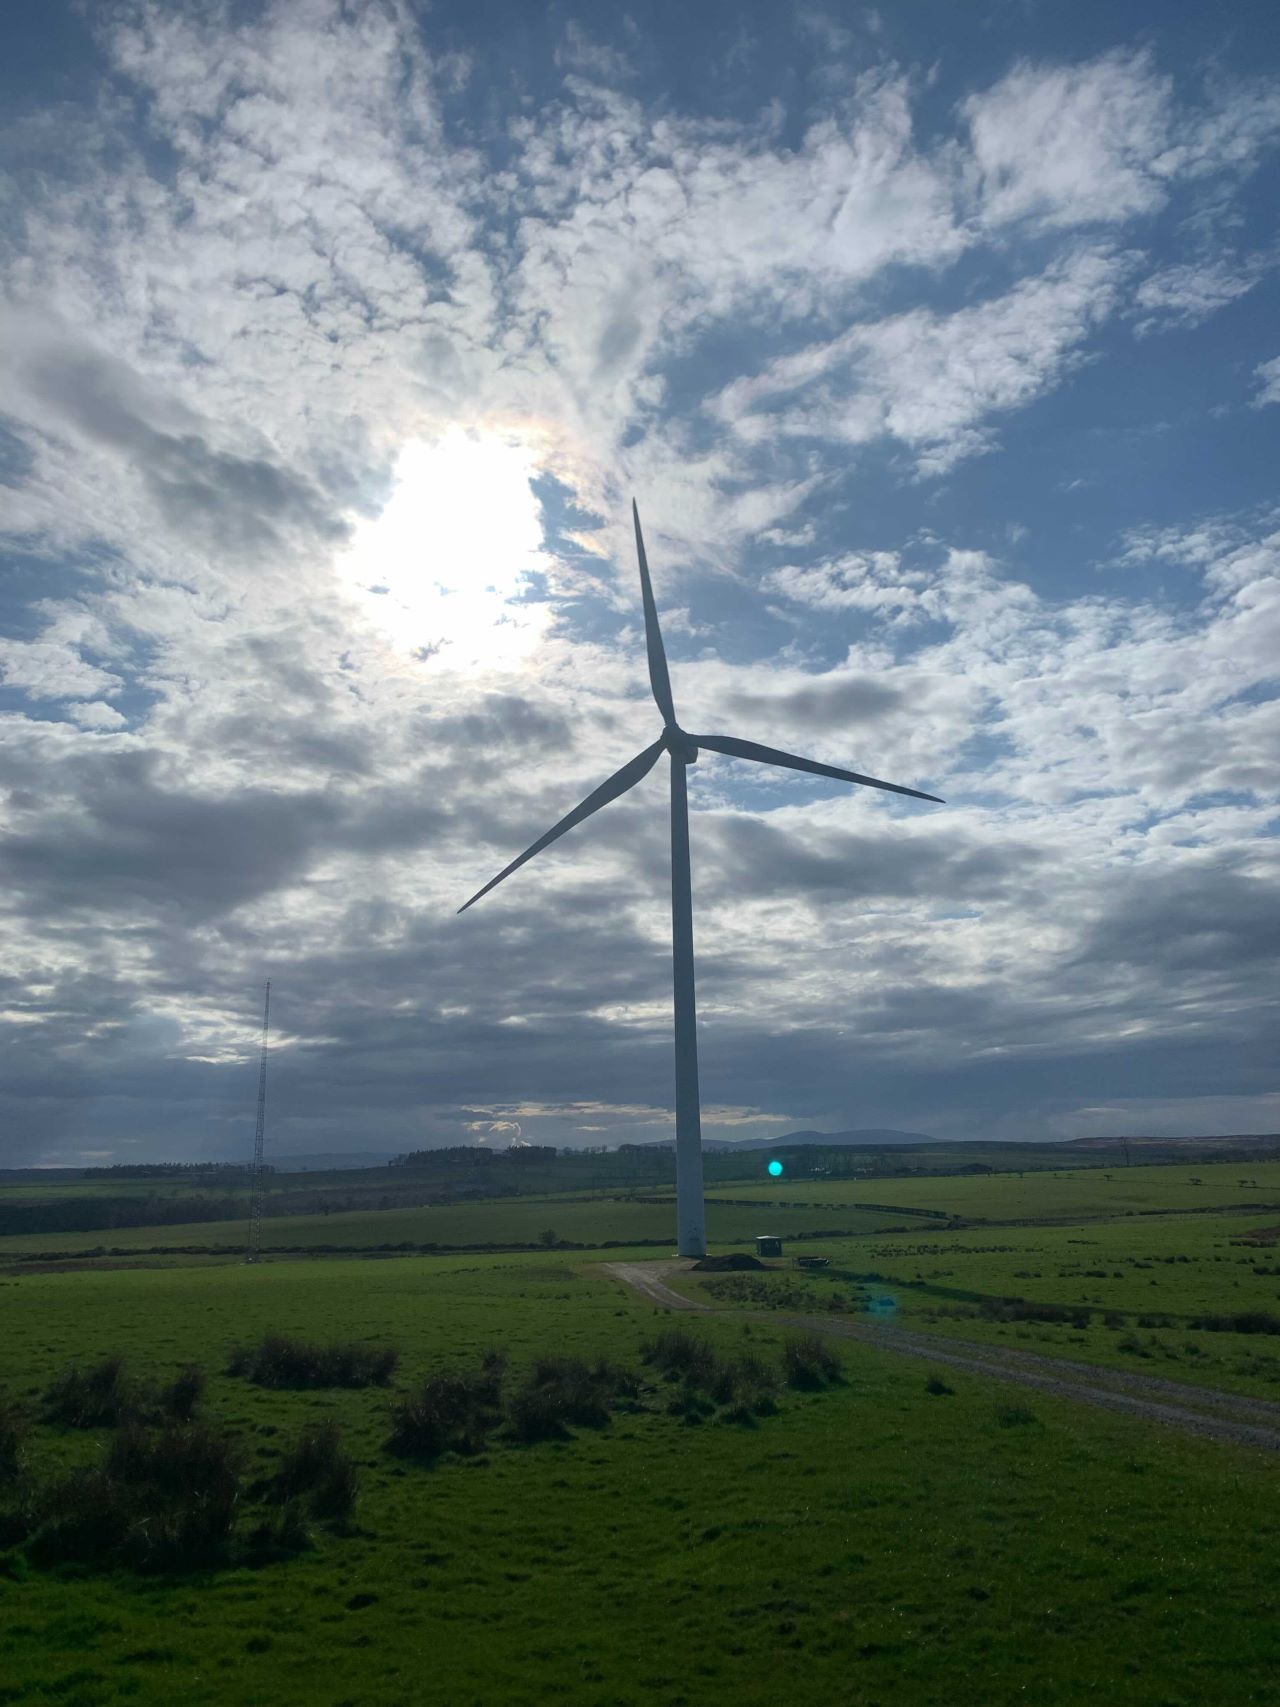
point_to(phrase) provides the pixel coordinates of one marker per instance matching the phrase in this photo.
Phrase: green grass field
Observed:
(1059, 1195)
(869, 1543)
(583, 1219)
(875, 1542)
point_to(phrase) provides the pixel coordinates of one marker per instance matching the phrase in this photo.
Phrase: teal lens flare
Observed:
(775, 1168)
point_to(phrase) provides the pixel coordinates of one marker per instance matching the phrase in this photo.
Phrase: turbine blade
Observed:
(618, 783)
(771, 756)
(659, 680)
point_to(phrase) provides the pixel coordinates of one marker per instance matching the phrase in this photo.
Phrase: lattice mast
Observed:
(255, 1202)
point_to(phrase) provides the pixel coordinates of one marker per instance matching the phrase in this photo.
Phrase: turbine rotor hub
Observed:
(680, 745)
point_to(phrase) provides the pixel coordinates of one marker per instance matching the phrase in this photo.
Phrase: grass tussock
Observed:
(808, 1362)
(1240, 1322)
(180, 1398)
(560, 1392)
(277, 1361)
(681, 1356)
(1026, 1310)
(14, 1430)
(1016, 1416)
(743, 1387)
(317, 1473)
(280, 1536)
(453, 1410)
(160, 1500)
(813, 1294)
(746, 1387)
(97, 1397)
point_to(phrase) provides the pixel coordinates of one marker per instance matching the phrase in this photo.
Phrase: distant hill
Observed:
(866, 1138)
(330, 1161)
(1230, 1141)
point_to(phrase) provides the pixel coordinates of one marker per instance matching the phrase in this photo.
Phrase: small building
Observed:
(768, 1245)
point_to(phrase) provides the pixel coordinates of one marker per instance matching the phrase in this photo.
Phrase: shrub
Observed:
(180, 1398)
(1242, 1322)
(280, 1536)
(937, 1386)
(84, 1518)
(452, 1411)
(318, 1468)
(1014, 1416)
(745, 1386)
(559, 1391)
(681, 1356)
(808, 1361)
(98, 1397)
(13, 1436)
(161, 1500)
(281, 1362)
(1023, 1310)
(784, 1292)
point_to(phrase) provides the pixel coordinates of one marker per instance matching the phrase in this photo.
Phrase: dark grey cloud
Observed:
(123, 833)
(1212, 917)
(752, 858)
(225, 501)
(848, 703)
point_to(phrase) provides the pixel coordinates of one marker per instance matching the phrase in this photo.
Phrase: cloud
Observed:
(280, 249)
(1102, 142)
(930, 380)
(194, 485)
(1187, 293)
(97, 714)
(1269, 374)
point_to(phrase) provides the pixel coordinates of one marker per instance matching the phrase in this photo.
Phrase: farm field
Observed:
(1047, 1195)
(1140, 1289)
(880, 1541)
(587, 1219)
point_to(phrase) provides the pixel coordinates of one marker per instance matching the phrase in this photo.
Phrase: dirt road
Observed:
(1197, 1410)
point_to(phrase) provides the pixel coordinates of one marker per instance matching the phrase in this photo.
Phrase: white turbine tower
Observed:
(683, 750)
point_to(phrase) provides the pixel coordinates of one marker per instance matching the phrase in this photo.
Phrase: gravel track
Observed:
(1233, 1417)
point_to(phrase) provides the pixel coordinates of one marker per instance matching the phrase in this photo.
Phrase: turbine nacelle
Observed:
(680, 745)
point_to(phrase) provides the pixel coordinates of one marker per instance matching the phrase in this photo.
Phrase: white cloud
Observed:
(1187, 293)
(54, 665)
(1269, 374)
(933, 380)
(1104, 141)
(97, 714)
(1070, 145)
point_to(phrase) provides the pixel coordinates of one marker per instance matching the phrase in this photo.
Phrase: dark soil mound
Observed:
(735, 1259)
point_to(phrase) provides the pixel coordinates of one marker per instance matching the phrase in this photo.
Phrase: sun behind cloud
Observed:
(440, 571)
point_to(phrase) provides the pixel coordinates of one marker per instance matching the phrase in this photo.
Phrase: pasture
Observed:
(909, 1535)
(1047, 1195)
(581, 1219)
(881, 1539)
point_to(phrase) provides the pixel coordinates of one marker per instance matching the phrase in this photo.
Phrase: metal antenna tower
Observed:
(255, 1201)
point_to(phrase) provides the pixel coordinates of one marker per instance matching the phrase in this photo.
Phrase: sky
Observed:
(940, 347)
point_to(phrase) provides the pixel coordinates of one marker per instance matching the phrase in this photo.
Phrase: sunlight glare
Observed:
(438, 569)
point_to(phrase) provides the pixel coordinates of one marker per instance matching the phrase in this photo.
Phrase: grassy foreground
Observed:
(874, 1542)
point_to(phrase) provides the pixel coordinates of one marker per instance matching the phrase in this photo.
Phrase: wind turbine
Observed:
(683, 751)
